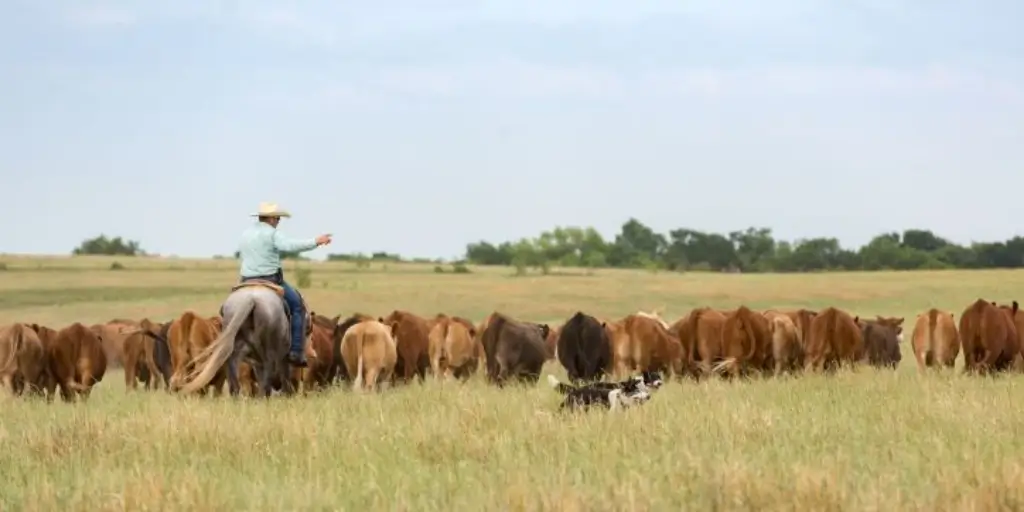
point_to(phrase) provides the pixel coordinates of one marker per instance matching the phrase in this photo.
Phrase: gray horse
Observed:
(256, 329)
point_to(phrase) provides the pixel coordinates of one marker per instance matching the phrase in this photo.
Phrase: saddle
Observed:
(259, 282)
(276, 288)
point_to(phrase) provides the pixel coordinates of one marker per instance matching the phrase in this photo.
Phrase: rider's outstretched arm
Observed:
(284, 244)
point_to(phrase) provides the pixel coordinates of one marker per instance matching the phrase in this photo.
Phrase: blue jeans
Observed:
(294, 303)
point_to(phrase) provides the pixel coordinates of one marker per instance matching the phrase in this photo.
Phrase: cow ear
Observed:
(856, 319)
(899, 321)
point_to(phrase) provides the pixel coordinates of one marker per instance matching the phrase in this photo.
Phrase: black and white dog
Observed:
(650, 379)
(611, 395)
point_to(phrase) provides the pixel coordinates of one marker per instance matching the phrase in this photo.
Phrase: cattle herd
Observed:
(374, 352)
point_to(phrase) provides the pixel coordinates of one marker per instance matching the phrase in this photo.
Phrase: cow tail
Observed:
(692, 324)
(357, 383)
(213, 357)
(929, 355)
(830, 331)
(445, 357)
(745, 322)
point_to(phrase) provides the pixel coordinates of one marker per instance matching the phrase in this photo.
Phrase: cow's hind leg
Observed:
(131, 383)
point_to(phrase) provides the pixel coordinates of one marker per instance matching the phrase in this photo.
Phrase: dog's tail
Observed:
(559, 386)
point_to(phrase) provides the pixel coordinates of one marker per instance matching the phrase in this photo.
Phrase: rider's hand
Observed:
(323, 239)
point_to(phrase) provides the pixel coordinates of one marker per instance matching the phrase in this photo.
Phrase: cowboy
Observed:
(260, 254)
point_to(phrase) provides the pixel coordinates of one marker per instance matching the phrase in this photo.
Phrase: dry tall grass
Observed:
(870, 440)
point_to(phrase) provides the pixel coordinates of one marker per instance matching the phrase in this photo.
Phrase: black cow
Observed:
(584, 349)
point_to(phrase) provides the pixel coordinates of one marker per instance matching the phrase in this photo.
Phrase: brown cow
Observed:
(1017, 317)
(412, 336)
(935, 339)
(77, 361)
(882, 338)
(454, 348)
(787, 350)
(48, 337)
(642, 342)
(834, 339)
(988, 337)
(701, 336)
(370, 354)
(514, 349)
(22, 359)
(139, 356)
(319, 352)
(188, 336)
(746, 343)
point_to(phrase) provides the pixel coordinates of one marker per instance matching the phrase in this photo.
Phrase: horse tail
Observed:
(213, 357)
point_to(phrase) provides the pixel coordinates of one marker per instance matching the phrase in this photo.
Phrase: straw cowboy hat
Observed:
(270, 210)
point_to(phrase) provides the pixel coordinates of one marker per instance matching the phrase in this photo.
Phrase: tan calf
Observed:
(787, 351)
(935, 339)
(114, 333)
(454, 351)
(369, 352)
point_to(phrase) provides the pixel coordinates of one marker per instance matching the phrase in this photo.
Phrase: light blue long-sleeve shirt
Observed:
(261, 247)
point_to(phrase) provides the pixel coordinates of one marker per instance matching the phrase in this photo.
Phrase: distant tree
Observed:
(104, 246)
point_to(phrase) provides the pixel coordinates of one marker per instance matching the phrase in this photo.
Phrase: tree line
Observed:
(636, 245)
(754, 249)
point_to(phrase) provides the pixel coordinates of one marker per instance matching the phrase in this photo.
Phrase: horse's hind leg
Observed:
(266, 384)
(233, 385)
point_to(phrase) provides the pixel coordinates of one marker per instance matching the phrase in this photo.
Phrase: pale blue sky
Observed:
(418, 126)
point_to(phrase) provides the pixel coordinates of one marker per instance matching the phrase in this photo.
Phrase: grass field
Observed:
(869, 440)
